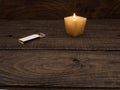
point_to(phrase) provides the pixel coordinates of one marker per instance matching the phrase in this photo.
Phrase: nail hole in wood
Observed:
(9, 35)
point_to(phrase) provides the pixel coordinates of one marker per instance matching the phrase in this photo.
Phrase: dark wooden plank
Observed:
(55, 89)
(52, 9)
(38, 88)
(60, 68)
(99, 35)
(99, 8)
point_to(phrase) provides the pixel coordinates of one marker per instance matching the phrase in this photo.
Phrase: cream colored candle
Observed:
(75, 25)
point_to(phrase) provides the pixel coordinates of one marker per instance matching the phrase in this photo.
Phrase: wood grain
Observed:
(59, 68)
(38, 88)
(99, 35)
(60, 62)
(53, 9)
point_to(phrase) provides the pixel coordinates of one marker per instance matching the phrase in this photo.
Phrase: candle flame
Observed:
(74, 15)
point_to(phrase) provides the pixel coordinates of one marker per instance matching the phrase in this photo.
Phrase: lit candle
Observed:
(75, 25)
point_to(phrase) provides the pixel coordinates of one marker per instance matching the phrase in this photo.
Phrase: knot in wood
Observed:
(76, 60)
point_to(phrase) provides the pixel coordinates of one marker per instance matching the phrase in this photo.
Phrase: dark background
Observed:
(58, 9)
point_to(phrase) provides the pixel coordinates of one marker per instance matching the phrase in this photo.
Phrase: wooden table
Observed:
(91, 61)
